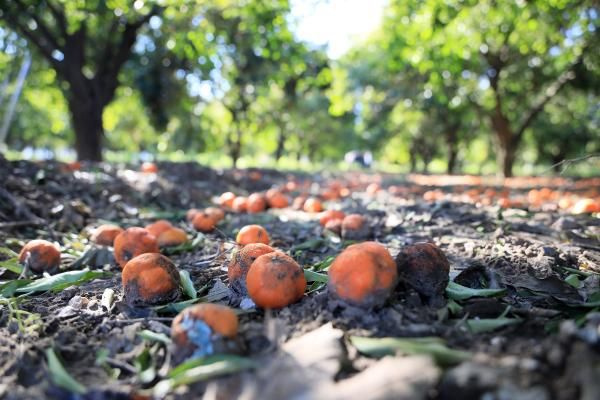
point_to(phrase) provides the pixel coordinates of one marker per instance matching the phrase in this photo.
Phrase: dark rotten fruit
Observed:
(425, 268)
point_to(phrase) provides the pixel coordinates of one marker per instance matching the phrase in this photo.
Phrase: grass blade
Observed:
(154, 336)
(432, 346)
(312, 276)
(202, 370)
(61, 281)
(60, 376)
(489, 324)
(187, 284)
(460, 292)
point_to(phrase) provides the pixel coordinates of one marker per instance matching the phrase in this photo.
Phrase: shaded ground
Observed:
(547, 350)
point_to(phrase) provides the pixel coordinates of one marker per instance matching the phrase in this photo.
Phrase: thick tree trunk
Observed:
(507, 144)
(86, 115)
(506, 156)
(507, 141)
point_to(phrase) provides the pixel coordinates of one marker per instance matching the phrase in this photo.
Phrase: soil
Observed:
(551, 353)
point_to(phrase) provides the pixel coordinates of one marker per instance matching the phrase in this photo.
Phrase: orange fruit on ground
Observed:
(74, 166)
(355, 227)
(105, 234)
(504, 202)
(330, 194)
(585, 206)
(424, 267)
(203, 222)
(256, 203)
(298, 203)
(275, 280)
(364, 274)
(190, 214)
(149, 167)
(172, 237)
(216, 213)
(255, 175)
(313, 204)
(334, 225)
(226, 199)
(219, 318)
(252, 234)
(329, 215)
(291, 186)
(41, 256)
(271, 192)
(241, 261)
(204, 329)
(132, 242)
(240, 204)
(373, 188)
(158, 227)
(150, 279)
(276, 199)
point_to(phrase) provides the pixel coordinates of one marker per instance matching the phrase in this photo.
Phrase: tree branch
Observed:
(109, 70)
(47, 35)
(58, 16)
(11, 16)
(548, 94)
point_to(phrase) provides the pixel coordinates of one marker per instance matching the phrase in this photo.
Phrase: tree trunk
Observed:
(506, 139)
(86, 115)
(452, 148)
(505, 156)
(235, 146)
(280, 143)
(412, 160)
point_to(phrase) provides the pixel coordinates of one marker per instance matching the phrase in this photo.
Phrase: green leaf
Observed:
(196, 362)
(187, 246)
(460, 292)
(174, 308)
(8, 289)
(323, 265)
(309, 244)
(61, 281)
(187, 284)
(8, 252)
(477, 325)
(312, 276)
(12, 263)
(60, 376)
(201, 370)
(432, 346)
(573, 280)
(154, 336)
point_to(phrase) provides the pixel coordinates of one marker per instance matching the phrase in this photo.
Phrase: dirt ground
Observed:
(537, 339)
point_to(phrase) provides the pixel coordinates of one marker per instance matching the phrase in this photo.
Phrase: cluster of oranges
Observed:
(536, 199)
(255, 202)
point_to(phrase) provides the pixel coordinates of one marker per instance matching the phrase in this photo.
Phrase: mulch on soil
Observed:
(538, 338)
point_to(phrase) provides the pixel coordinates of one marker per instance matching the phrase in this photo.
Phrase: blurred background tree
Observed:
(454, 86)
